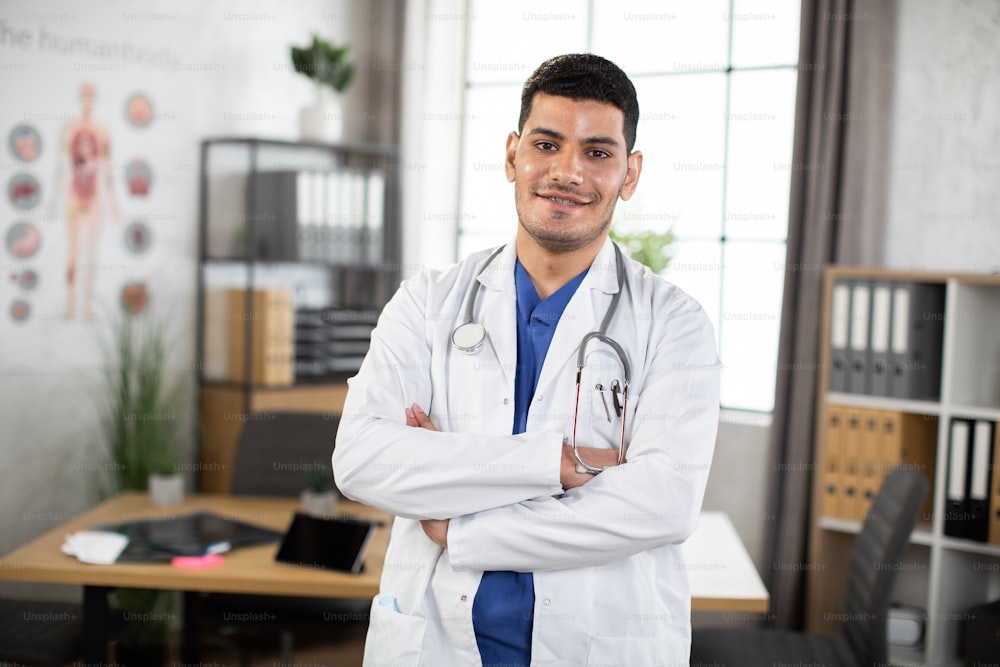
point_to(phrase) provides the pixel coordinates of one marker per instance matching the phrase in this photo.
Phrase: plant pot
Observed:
(319, 503)
(322, 122)
(166, 490)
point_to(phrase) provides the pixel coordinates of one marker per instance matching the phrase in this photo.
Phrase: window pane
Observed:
(681, 135)
(752, 287)
(643, 36)
(696, 267)
(508, 40)
(761, 120)
(765, 32)
(487, 199)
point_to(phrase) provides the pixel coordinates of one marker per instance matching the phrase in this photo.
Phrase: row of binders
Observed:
(972, 508)
(886, 337)
(861, 446)
(324, 216)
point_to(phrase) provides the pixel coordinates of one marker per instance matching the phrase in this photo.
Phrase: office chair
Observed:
(270, 457)
(871, 571)
(40, 632)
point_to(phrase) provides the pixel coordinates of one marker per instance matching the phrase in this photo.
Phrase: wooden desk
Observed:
(249, 570)
(722, 574)
(723, 577)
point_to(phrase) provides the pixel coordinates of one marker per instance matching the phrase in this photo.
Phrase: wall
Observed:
(943, 200)
(209, 68)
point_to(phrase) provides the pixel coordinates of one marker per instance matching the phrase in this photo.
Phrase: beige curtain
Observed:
(843, 114)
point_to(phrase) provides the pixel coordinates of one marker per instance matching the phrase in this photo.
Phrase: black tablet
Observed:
(328, 543)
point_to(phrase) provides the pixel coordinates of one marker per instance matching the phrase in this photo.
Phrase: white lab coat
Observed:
(611, 587)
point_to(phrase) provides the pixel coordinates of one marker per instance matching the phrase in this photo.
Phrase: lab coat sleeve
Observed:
(652, 500)
(417, 473)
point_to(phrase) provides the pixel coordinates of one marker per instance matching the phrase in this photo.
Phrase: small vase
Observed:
(319, 503)
(166, 490)
(323, 121)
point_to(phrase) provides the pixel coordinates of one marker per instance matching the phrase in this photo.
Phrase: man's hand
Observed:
(436, 529)
(415, 416)
(569, 477)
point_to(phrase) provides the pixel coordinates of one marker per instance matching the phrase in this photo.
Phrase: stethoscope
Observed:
(470, 336)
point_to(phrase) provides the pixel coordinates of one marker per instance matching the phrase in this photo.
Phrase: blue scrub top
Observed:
(503, 609)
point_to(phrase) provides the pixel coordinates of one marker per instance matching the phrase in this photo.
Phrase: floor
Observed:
(341, 646)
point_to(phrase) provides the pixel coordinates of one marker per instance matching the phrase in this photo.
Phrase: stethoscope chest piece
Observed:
(469, 337)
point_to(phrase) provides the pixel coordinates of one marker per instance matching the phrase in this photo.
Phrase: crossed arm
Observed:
(437, 529)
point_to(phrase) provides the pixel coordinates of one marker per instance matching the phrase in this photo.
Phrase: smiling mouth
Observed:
(565, 202)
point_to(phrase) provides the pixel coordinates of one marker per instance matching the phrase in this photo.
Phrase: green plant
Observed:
(319, 477)
(146, 615)
(141, 407)
(646, 246)
(324, 63)
(141, 426)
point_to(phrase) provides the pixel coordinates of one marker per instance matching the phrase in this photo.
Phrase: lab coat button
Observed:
(538, 398)
(506, 401)
(546, 602)
(464, 598)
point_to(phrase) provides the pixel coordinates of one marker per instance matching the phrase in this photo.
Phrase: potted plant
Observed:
(141, 427)
(328, 66)
(320, 497)
(141, 411)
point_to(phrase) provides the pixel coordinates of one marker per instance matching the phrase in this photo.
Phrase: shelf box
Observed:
(270, 322)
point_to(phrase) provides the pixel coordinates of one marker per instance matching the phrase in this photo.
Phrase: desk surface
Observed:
(245, 570)
(723, 577)
(722, 574)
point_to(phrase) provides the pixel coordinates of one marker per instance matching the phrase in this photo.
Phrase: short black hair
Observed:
(584, 76)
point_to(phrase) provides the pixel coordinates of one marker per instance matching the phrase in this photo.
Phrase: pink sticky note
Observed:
(197, 562)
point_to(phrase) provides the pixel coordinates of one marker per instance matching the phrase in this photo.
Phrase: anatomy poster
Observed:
(99, 189)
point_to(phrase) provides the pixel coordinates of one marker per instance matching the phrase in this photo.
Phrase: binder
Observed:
(857, 350)
(979, 481)
(375, 214)
(915, 347)
(830, 476)
(878, 343)
(910, 440)
(869, 460)
(851, 505)
(840, 322)
(994, 535)
(280, 208)
(956, 501)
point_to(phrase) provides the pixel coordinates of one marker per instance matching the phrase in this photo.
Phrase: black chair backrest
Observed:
(275, 449)
(875, 560)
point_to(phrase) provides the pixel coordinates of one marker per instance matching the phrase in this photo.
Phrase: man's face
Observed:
(569, 166)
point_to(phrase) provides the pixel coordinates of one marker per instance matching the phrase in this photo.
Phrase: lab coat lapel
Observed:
(498, 310)
(583, 314)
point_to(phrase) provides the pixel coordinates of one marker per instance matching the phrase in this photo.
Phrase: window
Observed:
(716, 84)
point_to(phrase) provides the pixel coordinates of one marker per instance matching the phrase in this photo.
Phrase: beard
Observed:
(557, 238)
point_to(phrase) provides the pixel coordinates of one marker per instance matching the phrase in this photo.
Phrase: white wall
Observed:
(943, 195)
(210, 68)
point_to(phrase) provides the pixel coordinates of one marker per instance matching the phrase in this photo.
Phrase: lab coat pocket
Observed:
(603, 413)
(393, 638)
(638, 652)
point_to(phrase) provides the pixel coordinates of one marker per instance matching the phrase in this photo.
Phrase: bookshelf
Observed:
(299, 249)
(942, 575)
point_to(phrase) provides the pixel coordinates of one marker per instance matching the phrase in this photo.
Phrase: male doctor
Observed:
(507, 549)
